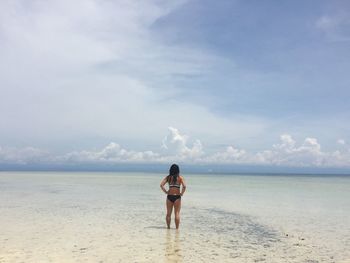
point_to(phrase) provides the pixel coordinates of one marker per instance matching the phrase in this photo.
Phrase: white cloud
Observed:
(112, 153)
(308, 154)
(92, 69)
(287, 144)
(175, 148)
(341, 141)
(95, 71)
(231, 155)
(176, 144)
(288, 153)
(13, 155)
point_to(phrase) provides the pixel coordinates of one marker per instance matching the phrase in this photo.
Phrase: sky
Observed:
(195, 82)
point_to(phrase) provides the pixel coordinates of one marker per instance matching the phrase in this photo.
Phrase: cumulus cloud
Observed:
(288, 153)
(112, 153)
(230, 155)
(176, 144)
(176, 148)
(26, 155)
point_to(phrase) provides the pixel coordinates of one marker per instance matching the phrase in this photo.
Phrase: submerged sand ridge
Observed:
(96, 218)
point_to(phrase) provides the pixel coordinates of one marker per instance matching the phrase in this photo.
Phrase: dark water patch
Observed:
(230, 224)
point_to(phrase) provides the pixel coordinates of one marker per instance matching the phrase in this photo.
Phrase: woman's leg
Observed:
(177, 205)
(169, 210)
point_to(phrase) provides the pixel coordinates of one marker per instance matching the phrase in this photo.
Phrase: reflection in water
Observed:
(173, 251)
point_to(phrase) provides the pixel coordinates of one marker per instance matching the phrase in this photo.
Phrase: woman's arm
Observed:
(183, 185)
(162, 183)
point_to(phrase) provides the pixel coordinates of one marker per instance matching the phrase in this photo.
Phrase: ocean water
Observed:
(120, 217)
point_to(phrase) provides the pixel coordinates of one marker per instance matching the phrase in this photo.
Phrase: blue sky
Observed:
(234, 82)
(282, 63)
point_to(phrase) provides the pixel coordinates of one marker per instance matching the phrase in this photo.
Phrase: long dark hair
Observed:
(174, 172)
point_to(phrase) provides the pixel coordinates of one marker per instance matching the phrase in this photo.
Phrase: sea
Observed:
(120, 217)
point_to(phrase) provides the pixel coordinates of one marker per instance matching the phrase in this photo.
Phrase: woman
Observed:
(175, 180)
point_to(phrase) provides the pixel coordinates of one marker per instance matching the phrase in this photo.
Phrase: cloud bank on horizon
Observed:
(78, 75)
(176, 148)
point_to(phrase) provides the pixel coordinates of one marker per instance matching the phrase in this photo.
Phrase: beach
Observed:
(120, 217)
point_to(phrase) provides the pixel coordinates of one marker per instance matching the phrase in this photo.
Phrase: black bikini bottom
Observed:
(173, 198)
